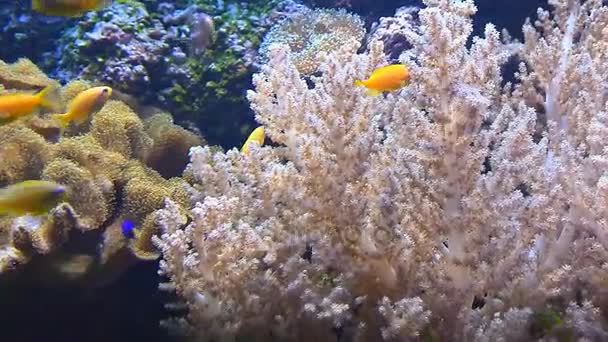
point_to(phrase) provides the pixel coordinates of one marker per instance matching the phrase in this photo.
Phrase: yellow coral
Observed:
(50, 130)
(142, 195)
(11, 258)
(142, 246)
(114, 255)
(37, 235)
(169, 153)
(113, 241)
(23, 74)
(86, 152)
(23, 152)
(117, 128)
(103, 167)
(90, 195)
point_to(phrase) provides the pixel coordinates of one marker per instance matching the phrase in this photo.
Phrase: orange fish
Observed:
(16, 105)
(84, 104)
(68, 8)
(386, 78)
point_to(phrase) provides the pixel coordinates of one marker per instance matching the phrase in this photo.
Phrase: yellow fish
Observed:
(68, 8)
(30, 197)
(85, 104)
(386, 78)
(16, 105)
(257, 135)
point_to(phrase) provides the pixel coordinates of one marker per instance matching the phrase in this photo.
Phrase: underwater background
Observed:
(145, 50)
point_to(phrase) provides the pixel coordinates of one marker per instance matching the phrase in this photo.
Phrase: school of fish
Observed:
(37, 197)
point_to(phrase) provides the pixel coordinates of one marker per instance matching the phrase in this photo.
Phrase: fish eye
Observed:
(105, 90)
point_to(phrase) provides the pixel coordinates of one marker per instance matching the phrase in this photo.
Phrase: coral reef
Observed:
(213, 97)
(456, 209)
(124, 46)
(145, 49)
(103, 164)
(23, 74)
(171, 144)
(310, 33)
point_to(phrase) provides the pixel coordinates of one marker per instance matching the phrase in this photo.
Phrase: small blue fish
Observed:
(128, 228)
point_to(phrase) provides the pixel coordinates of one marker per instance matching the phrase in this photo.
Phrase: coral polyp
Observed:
(104, 166)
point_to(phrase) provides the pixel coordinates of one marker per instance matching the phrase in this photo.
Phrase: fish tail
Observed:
(63, 119)
(48, 98)
(359, 83)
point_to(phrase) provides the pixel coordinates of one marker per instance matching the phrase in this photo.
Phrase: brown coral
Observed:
(41, 236)
(90, 195)
(142, 196)
(23, 74)
(169, 153)
(117, 128)
(142, 246)
(24, 153)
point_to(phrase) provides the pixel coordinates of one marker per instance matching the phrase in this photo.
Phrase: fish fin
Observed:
(373, 92)
(48, 97)
(63, 119)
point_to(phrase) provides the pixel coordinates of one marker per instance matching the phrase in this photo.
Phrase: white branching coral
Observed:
(461, 208)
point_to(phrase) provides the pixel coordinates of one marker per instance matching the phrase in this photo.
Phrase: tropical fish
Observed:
(16, 105)
(68, 8)
(85, 104)
(128, 229)
(35, 197)
(386, 78)
(257, 135)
